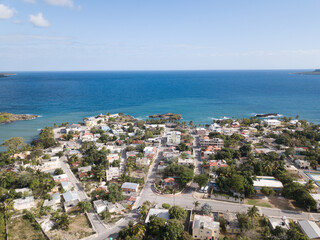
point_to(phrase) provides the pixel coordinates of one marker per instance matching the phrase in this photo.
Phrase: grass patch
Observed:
(19, 228)
(258, 203)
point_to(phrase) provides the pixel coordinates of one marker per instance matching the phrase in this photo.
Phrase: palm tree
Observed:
(309, 185)
(253, 212)
(196, 204)
(267, 168)
(139, 231)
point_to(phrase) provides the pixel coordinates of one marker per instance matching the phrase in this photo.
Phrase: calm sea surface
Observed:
(198, 95)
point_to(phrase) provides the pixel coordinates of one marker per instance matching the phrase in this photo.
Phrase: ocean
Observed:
(200, 96)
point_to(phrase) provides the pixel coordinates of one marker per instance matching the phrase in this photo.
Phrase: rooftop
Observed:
(162, 213)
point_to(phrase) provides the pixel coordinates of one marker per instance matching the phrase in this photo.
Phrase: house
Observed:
(217, 163)
(91, 121)
(99, 206)
(216, 142)
(316, 197)
(168, 182)
(66, 186)
(24, 203)
(302, 164)
(84, 169)
(132, 154)
(162, 213)
(61, 178)
(54, 202)
(105, 128)
(129, 187)
(149, 151)
(279, 222)
(310, 229)
(112, 173)
(210, 150)
(204, 227)
(173, 138)
(186, 162)
(215, 128)
(142, 162)
(71, 199)
(272, 122)
(112, 157)
(266, 181)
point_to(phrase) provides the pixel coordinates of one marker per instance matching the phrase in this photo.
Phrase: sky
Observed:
(72, 35)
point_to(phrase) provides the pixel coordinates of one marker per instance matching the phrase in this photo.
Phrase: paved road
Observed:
(98, 225)
(186, 200)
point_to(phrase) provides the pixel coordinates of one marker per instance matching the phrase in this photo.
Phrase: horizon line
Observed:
(162, 70)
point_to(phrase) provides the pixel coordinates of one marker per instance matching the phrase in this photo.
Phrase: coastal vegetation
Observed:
(10, 117)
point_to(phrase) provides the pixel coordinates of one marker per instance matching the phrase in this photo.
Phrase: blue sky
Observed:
(39, 35)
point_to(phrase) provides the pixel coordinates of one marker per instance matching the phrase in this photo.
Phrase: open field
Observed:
(19, 228)
(79, 228)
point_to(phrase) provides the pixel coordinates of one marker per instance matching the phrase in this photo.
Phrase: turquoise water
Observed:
(198, 95)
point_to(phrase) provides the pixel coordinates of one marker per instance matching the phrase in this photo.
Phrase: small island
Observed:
(315, 72)
(169, 116)
(10, 117)
(266, 115)
(7, 74)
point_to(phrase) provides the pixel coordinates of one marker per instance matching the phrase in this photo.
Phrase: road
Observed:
(186, 200)
(98, 225)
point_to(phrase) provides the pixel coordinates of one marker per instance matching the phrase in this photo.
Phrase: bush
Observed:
(166, 205)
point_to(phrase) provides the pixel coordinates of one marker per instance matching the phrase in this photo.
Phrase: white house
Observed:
(186, 162)
(162, 213)
(310, 229)
(272, 122)
(112, 173)
(99, 206)
(267, 181)
(173, 137)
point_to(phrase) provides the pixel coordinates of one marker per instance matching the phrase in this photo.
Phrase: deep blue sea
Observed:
(200, 96)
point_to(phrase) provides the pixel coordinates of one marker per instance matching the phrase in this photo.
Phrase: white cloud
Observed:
(39, 21)
(6, 12)
(63, 3)
(30, 1)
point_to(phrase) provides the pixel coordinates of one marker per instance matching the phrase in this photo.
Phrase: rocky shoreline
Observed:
(10, 117)
(171, 116)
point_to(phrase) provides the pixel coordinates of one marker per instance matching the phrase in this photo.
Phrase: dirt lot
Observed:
(79, 228)
(19, 228)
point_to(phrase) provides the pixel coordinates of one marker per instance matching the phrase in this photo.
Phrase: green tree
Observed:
(84, 206)
(177, 212)
(14, 144)
(62, 221)
(253, 212)
(201, 180)
(174, 230)
(196, 204)
(156, 226)
(206, 209)
(245, 150)
(58, 171)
